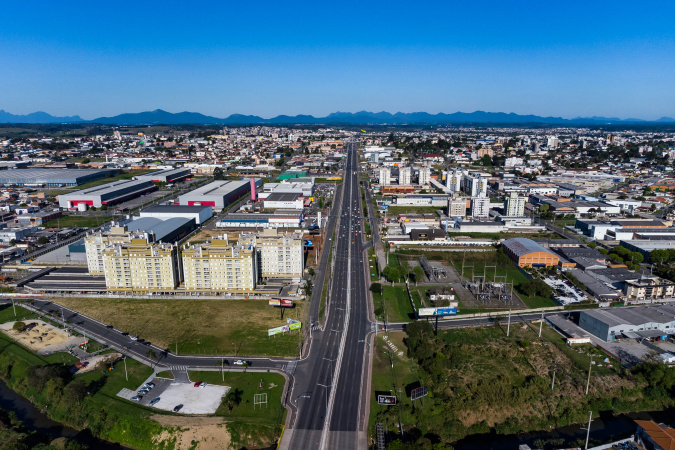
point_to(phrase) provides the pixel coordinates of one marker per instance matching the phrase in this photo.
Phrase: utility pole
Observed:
(126, 375)
(222, 367)
(588, 382)
(14, 307)
(588, 431)
(508, 326)
(555, 366)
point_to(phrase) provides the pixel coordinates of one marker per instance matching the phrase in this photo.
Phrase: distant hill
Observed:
(161, 117)
(37, 117)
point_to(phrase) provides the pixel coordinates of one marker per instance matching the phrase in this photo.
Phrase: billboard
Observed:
(281, 302)
(419, 393)
(386, 399)
(440, 311)
(284, 328)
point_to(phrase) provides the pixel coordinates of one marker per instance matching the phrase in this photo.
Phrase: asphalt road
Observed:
(328, 383)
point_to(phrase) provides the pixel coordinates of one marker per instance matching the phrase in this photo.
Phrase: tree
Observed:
(86, 161)
(19, 326)
(393, 275)
(12, 242)
(218, 174)
(42, 240)
(376, 288)
(419, 274)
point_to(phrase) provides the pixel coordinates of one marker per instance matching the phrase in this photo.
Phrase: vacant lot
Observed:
(197, 326)
(78, 221)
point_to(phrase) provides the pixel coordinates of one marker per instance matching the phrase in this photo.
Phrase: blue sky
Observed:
(608, 58)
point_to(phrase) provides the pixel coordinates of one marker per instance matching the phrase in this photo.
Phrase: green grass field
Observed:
(78, 221)
(198, 326)
(395, 303)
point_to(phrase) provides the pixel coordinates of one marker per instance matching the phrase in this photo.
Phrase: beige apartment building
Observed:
(219, 267)
(141, 267)
(279, 255)
(94, 244)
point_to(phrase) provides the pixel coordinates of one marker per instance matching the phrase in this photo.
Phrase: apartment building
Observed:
(139, 266)
(457, 207)
(220, 267)
(424, 177)
(94, 244)
(514, 206)
(384, 176)
(454, 181)
(480, 207)
(278, 255)
(404, 178)
(475, 185)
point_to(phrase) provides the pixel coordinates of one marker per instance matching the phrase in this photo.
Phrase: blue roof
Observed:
(160, 228)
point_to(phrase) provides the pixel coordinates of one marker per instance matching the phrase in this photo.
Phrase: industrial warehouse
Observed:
(199, 213)
(106, 194)
(52, 177)
(651, 322)
(218, 194)
(527, 253)
(166, 176)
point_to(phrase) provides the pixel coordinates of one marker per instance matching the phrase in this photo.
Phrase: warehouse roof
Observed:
(639, 223)
(282, 197)
(106, 188)
(24, 176)
(220, 187)
(523, 246)
(163, 173)
(175, 209)
(160, 228)
(635, 316)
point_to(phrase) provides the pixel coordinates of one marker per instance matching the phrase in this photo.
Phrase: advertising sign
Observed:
(281, 302)
(386, 399)
(287, 303)
(275, 302)
(277, 330)
(441, 311)
(295, 326)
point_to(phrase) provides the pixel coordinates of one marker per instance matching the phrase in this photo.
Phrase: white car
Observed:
(239, 362)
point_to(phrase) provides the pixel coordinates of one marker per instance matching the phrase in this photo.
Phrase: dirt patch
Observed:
(95, 360)
(205, 432)
(39, 336)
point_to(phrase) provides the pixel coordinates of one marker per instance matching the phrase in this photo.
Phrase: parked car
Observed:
(202, 384)
(149, 384)
(133, 338)
(177, 408)
(136, 398)
(154, 401)
(198, 383)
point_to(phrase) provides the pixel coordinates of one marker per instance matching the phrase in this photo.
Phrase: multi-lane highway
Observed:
(331, 409)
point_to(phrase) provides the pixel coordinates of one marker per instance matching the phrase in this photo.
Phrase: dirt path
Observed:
(208, 432)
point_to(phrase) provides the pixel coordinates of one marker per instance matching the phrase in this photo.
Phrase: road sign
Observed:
(418, 393)
(387, 400)
(440, 311)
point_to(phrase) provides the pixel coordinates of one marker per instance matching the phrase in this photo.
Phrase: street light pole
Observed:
(126, 375)
(588, 382)
(588, 431)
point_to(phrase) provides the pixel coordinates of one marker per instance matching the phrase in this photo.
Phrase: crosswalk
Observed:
(177, 367)
(316, 327)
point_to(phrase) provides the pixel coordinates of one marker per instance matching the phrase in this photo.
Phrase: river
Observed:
(604, 429)
(37, 421)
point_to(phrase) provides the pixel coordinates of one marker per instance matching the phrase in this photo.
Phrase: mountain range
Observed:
(161, 117)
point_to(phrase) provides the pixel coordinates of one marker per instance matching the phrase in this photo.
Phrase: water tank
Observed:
(82, 206)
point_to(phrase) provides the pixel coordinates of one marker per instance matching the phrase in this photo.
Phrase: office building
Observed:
(404, 178)
(140, 267)
(514, 206)
(218, 266)
(384, 176)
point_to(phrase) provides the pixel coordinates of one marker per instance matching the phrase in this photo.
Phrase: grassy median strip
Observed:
(199, 326)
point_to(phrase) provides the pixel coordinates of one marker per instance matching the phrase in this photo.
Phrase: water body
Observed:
(605, 428)
(37, 421)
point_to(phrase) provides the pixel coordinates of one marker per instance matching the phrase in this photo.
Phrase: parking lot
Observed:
(195, 400)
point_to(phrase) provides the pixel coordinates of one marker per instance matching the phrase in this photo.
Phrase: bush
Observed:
(19, 326)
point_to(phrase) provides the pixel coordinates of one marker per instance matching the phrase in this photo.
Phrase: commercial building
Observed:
(457, 207)
(514, 206)
(645, 247)
(200, 214)
(284, 201)
(636, 322)
(158, 230)
(527, 253)
(404, 178)
(217, 194)
(285, 219)
(653, 436)
(384, 176)
(15, 234)
(424, 176)
(278, 255)
(38, 218)
(106, 194)
(219, 267)
(439, 200)
(301, 186)
(140, 267)
(52, 177)
(166, 176)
